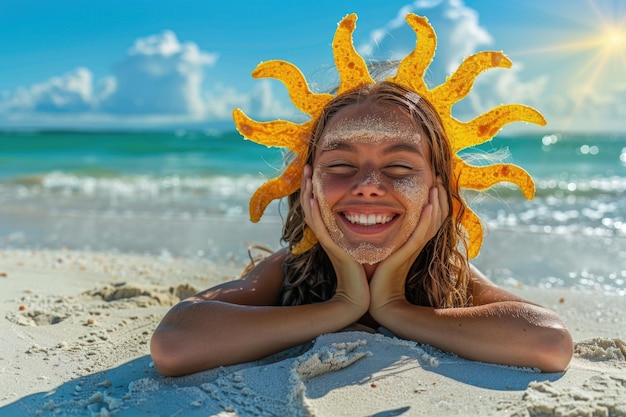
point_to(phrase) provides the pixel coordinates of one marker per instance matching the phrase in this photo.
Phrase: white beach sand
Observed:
(75, 327)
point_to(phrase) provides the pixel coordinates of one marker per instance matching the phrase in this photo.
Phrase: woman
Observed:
(376, 193)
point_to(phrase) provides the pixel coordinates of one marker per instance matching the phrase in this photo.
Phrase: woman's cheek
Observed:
(414, 192)
(412, 189)
(327, 215)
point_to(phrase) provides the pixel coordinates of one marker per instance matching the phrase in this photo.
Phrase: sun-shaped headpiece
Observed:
(353, 73)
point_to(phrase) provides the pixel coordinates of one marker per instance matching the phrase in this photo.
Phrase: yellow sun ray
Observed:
(307, 242)
(287, 183)
(351, 66)
(353, 73)
(482, 178)
(474, 229)
(484, 127)
(284, 134)
(459, 84)
(296, 84)
(413, 67)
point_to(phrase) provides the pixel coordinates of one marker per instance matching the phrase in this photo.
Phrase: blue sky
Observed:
(186, 64)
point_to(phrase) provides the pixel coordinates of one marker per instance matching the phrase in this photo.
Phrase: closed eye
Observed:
(398, 170)
(340, 169)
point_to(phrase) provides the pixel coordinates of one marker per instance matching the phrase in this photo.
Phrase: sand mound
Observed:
(600, 395)
(36, 310)
(600, 349)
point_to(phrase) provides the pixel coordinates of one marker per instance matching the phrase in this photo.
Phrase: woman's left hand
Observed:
(387, 284)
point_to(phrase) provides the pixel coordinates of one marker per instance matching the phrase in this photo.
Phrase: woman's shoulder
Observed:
(259, 284)
(484, 291)
(269, 261)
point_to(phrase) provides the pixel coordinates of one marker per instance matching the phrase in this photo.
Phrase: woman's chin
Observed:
(368, 253)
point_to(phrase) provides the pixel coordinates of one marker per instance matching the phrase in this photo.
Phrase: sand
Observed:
(75, 328)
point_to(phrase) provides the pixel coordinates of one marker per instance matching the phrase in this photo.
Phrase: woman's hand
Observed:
(387, 284)
(351, 279)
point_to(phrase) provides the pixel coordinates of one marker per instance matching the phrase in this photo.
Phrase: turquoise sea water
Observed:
(180, 192)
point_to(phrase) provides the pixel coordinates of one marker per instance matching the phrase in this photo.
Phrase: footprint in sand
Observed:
(36, 310)
(36, 318)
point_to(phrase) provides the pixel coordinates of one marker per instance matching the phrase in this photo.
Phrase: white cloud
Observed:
(159, 76)
(501, 86)
(590, 108)
(261, 103)
(620, 103)
(385, 33)
(105, 88)
(159, 81)
(69, 93)
(221, 100)
(465, 35)
(265, 104)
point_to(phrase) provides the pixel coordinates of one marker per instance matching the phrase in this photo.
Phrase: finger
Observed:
(435, 221)
(423, 231)
(427, 222)
(311, 209)
(317, 225)
(306, 174)
(413, 246)
(444, 205)
(306, 195)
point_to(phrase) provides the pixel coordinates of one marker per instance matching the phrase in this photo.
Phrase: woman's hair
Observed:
(439, 276)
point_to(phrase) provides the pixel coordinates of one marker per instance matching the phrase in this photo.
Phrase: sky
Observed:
(186, 64)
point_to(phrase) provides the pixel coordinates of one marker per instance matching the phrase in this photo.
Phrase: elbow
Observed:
(168, 354)
(554, 350)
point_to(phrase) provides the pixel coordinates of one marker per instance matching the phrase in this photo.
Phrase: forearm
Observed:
(200, 335)
(511, 333)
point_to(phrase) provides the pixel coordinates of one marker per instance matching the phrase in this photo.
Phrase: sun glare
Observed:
(598, 46)
(616, 38)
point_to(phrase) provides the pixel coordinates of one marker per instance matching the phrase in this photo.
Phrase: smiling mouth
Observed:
(371, 219)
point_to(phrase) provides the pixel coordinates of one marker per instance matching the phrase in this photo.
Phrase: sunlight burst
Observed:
(599, 46)
(616, 38)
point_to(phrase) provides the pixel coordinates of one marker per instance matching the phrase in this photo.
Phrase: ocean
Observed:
(185, 193)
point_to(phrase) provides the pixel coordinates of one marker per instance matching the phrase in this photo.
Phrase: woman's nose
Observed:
(369, 185)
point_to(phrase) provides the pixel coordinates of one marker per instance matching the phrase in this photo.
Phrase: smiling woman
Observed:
(379, 237)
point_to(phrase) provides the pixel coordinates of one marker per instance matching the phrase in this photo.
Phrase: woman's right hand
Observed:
(352, 282)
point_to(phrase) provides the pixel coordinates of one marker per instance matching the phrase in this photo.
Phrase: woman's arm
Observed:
(240, 321)
(499, 328)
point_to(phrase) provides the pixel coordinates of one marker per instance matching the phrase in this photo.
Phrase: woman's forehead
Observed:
(370, 123)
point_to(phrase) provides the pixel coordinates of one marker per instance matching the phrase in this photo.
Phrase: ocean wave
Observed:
(562, 188)
(611, 185)
(185, 195)
(138, 186)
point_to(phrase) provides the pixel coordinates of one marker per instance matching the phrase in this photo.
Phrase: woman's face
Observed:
(371, 177)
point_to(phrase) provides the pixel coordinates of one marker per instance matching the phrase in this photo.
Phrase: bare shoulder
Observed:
(259, 286)
(484, 291)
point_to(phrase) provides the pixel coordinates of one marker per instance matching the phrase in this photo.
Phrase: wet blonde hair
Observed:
(439, 276)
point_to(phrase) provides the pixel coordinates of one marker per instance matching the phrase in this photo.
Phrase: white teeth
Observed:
(368, 220)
